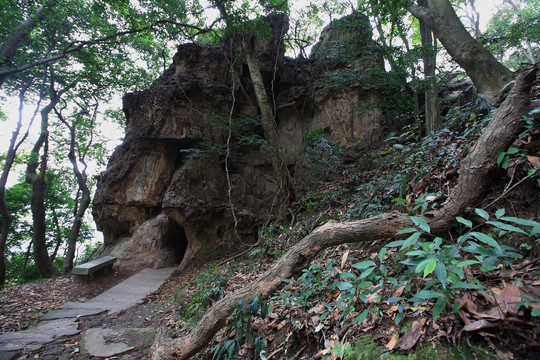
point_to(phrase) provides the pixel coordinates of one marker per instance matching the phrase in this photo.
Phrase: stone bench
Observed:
(81, 273)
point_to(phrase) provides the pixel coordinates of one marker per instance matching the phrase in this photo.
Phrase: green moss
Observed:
(367, 349)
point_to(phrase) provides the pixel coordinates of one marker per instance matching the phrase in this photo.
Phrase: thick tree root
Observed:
(474, 171)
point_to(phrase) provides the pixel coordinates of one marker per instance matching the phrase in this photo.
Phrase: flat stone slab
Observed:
(104, 342)
(64, 320)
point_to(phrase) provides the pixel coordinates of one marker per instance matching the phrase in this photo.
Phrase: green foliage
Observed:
(241, 331)
(437, 268)
(323, 153)
(366, 348)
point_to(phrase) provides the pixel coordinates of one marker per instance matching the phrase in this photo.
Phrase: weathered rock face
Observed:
(164, 197)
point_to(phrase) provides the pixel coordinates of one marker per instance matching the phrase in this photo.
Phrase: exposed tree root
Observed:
(473, 179)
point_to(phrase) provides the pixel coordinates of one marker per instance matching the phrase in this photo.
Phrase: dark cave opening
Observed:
(177, 243)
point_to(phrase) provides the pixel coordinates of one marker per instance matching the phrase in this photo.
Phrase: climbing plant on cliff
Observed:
(242, 33)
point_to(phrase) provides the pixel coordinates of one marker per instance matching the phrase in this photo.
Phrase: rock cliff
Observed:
(164, 198)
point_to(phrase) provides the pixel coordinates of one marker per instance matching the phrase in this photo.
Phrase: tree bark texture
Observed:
(499, 134)
(429, 55)
(486, 73)
(15, 39)
(37, 196)
(83, 206)
(285, 193)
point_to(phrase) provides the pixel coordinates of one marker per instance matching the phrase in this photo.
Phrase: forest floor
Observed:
(311, 316)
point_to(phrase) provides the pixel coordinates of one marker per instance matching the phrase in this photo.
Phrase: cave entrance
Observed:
(176, 244)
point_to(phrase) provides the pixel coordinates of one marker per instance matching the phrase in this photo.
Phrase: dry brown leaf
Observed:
(392, 343)
(344, 258)
(467, 304)
(510, 296)
(412, 335)
(534, 160)
(478, 325)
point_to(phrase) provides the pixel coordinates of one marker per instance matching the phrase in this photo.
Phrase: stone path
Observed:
(64, 320)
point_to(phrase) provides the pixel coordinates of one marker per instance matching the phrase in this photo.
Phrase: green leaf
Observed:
(396, 243)
(255, 306)
(347, 275)
(499, 213)
(366, 273)
(360, 318)
(428, 294)
(467, 262)
(512, 151)
(465, 222)
(421, 223)
(363, 264)
(344, 285)
(486, 239)
(482, 213)
(406, 231)
(441, 274)
(394, 299)
(421, 265)
(411, 240)
(500, 158)
(438, 308)
(382, 254)
(535, 312)
(463, 285)
(505, 162)
(524, 222)
(430, 266)
(504, 226)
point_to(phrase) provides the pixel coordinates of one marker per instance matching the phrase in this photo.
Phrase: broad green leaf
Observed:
(347, 275)
(428, 294)
(421, 265)
(366, 273)
(406, 231)
(438, 308)
(512, 151)
(411, 240)
(524, 222)
(430, 266)
(486, 239)
(363, 264)
(464, 285)
(421, 223)
(255, 306)
(499, 213)
(344, 285)
(482, 213)
(505, 226)
(535, 312)
(467, 262)
(500, 158)
(396, 243)
(382, 254)
(360, 318)
(465, 222)
(441, 274)
(394, 299)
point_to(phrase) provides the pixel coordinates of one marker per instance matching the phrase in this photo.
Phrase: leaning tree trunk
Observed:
(285, 189)
(474, 171)
(486, 73)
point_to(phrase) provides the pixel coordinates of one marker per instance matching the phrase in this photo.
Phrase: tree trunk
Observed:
(285, 191)
(10, 158)
(83, 206)
(486, 73)
(499, 134)
(433, 112)
(37, 197)
(11, 44)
